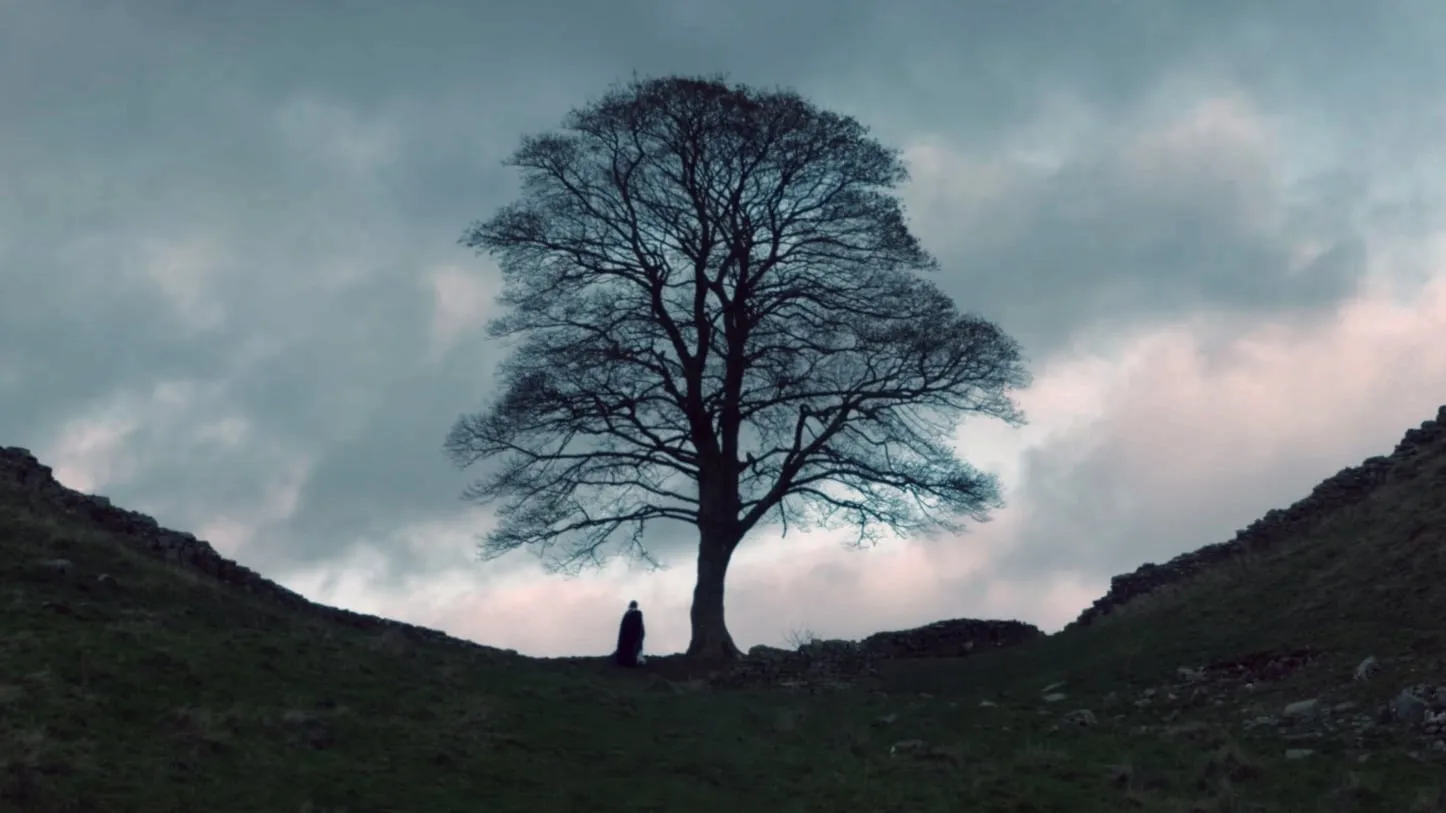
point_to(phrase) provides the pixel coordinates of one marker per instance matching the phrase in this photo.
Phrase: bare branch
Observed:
(722, 323)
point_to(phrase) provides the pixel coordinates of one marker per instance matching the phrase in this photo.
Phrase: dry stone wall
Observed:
(949, 639)
(835, 664)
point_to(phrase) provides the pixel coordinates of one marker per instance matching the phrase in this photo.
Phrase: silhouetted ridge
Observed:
(33, 485)
(1348, 487)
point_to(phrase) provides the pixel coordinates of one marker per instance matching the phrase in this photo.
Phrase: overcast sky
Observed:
(231, 294)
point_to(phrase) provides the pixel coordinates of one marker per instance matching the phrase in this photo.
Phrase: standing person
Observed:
(630, 637)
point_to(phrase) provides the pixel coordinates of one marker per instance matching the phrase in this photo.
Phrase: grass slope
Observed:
(158, 690)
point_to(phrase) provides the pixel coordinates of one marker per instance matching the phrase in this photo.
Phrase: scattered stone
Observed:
(1054, 697)
(887, 719)
(1366, 668)
(907, 747)
(1302, 708)
(1408, 707)
(1298, 753)
(1052, 687)
(1081, 718)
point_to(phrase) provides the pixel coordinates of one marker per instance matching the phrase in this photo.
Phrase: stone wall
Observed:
(1346, 488)
(833, 664)
(25, 480)
(949, 639)
(815, 665)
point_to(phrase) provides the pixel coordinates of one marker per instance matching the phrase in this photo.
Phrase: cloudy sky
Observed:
(231, 294)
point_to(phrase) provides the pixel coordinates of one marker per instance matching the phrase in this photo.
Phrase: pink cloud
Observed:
(1279, 409)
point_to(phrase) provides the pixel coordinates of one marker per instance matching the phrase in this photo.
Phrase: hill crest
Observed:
(1347, 487)
(32, 484)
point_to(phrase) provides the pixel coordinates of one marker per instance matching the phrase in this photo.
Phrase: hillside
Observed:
(140, 670)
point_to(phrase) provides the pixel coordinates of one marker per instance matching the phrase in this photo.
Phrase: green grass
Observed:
(160, 691)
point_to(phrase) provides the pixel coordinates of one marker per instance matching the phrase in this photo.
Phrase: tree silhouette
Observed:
(717, 322)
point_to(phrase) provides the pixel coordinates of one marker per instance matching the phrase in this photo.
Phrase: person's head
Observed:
(632, 605)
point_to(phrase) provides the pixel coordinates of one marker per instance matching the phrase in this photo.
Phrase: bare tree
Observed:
(718, 323)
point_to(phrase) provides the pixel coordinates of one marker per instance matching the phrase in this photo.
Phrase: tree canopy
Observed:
(718, 318)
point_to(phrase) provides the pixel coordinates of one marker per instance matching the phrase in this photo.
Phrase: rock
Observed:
(1053, 697)
(1298, 753)
(1302, 708)
(1366, 668)
(887, 719)
(1265, 666)
(987, 704)
(1409, 708)
(1082, 718)
(907, 747)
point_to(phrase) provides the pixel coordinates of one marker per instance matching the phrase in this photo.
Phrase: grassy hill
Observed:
(139, 671)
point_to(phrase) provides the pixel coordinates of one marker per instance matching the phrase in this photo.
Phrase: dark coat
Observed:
(630, 638)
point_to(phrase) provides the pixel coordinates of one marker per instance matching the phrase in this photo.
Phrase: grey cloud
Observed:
(171, 121)
(1098, 244)
(1102, 501)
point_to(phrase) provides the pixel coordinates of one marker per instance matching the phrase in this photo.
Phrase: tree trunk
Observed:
(711, 640)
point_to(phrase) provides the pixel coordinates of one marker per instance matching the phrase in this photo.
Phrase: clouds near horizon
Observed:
(231, 294)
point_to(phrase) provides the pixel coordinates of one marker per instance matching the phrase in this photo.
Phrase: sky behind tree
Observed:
(231, 294)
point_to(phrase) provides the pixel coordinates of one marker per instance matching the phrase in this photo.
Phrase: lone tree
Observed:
(717, 318)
